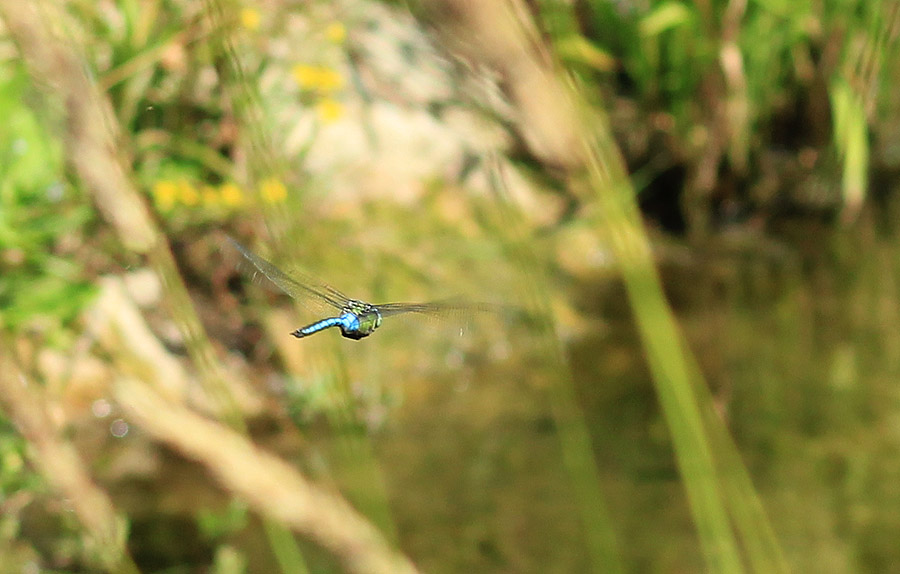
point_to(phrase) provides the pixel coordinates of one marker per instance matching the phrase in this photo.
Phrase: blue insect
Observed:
(356, 319)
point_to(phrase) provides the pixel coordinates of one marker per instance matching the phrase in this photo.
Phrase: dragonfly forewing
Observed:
(302, 287)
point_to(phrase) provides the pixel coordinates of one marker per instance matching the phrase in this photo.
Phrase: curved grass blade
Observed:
(309, 290)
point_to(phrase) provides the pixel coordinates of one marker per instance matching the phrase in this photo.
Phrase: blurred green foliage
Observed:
(16, 475)
(19, 486)
(733, 81)
(218, 524)
(40, 285)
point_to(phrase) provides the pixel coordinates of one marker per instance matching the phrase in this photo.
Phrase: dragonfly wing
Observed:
(453, 314)
(437, 309)
(301, 287)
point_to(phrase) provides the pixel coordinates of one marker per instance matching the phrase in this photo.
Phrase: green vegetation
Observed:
(38, 210)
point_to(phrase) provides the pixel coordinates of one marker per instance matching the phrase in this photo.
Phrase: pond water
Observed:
(797, 337)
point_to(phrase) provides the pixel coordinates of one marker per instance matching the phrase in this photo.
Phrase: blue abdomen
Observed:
(318, 326)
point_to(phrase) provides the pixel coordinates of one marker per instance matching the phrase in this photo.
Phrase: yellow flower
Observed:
(210, 196)
(305, 76)
(329, 80)
(187, 193)
(164, 194)
(317, 78)
(250, 18)
(336, 33)
(272, 190)
(232, 196)
(329, 110)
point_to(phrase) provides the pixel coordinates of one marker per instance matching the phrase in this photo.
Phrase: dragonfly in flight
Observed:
(355, 318)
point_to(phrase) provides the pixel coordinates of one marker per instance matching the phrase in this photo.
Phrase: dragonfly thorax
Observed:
(357, 307)
(359, 319)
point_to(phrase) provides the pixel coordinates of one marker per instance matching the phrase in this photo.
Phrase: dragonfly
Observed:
(355, 318)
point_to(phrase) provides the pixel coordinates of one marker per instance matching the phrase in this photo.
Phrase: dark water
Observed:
(797, 335)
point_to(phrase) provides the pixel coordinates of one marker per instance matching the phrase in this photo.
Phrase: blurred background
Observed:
(684, 210)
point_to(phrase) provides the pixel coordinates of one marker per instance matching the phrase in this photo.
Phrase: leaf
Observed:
(665, 17)
(578, 49)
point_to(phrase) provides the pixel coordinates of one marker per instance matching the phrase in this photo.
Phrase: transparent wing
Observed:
(447, 308)
(451, 316)
(301, 287)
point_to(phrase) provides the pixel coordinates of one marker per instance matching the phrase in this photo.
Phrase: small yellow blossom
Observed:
(164, 194)
(330, 80)
(187, 193)
(305, 75)
(232, 196)
(336, 33)
(329, 110)
(317, 78)
(250, 19)
(210, 196)
(272, 190)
